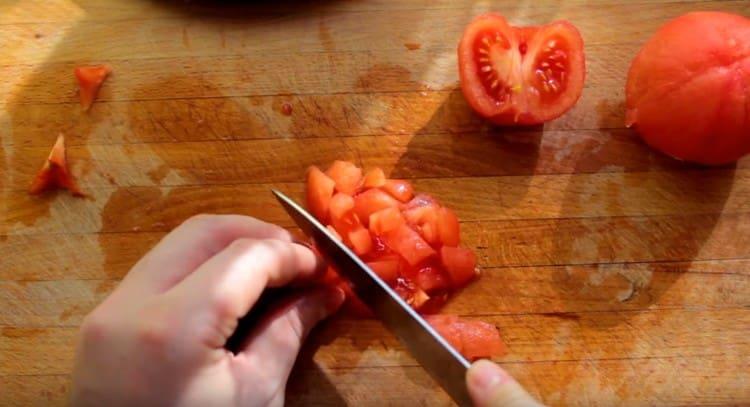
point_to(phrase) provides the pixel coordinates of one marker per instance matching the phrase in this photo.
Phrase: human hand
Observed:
(158, 338)
(491, 386)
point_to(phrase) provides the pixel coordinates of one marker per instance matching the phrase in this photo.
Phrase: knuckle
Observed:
(225, 308)
(152, 331)
(200, 221)
(243, 245)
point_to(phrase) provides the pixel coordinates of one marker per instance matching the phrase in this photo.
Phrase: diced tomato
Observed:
(399, 189)
(430, 233)
(346, 175)
(385, 220)
(319, 192)
(460, 263)
(371, 201)
(55, 173)
(374, 178)
(360, 240)
(448, 227)
(473, 339)
(386, 269)
(420, 200)
(90, 79)
(413, 295)
(340, 205)
(431, 279)
(480, 340)
(409, 244)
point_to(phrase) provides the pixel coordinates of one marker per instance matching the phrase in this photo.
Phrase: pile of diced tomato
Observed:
(411, 241)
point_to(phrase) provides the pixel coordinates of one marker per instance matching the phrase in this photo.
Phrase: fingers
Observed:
(191, 244)
(491, 386)
(224, 288)
(274, 345)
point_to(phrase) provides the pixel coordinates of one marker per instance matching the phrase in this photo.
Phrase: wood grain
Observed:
(617, 275)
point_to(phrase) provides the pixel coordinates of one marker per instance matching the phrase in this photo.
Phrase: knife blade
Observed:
(432, 351)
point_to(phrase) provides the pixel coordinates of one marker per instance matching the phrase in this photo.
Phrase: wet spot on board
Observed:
(412, 46)
(19, 333)
(388, 77)
(105, 287)
(564, 315)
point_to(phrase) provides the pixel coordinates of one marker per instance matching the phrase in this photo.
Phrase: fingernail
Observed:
(486, 375)
(334, 298)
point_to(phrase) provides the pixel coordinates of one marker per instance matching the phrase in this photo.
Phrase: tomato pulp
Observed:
(688, 89)
(520, 75)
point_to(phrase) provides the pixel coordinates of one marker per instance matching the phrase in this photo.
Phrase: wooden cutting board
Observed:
(617, 275)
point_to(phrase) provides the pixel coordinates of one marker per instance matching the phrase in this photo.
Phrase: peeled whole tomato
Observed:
(688, 90)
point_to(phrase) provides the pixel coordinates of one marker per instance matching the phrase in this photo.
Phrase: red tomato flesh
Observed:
(346, 175)
(474, 339)
(688, 89)
(90, 80)
(520, 75)
(410, 241)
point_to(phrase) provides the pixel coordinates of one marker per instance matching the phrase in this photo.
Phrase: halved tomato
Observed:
(520, 75)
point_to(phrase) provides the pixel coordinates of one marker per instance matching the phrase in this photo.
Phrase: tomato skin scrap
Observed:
(55, 172)
(687, 93)
(319, 191)
(90, 80)
(473, 339)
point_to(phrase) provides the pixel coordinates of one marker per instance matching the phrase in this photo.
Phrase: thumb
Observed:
(491, 386)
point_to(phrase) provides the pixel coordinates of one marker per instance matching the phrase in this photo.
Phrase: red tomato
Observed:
(520, 75)
(385, 220)
(688, 89)
(448, 227)
(473, 339)
(371, 201)
(409, 244)
(319, 192)
(340, 204)
(386, 269)
(460, 263)
(399, 189)
(346, 175)
(412, 294)
(431, 279)
(90, 79)
(374, 178)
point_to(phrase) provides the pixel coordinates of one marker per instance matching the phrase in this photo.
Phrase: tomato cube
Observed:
(371, 201)
(399, 189)
(385, 220)
(386, 269)
(431, 279)
(374, 178)
(448, 227)
(346, 175)
(340, 205)
(360, 241)
(460, 263)
(318, 193)
(409, 244)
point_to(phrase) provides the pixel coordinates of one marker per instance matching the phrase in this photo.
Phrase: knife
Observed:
(434, 353)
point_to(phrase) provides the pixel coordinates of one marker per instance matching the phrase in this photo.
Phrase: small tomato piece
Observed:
(385, 269)
(448, 227)
(371, 201)
(361, 241)
(385, 220)
(399, 189)
(319, 192)
(55, 173)
(375, 178)
(90, 80)
(409, 244)
(346, 175)
(460, 263)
